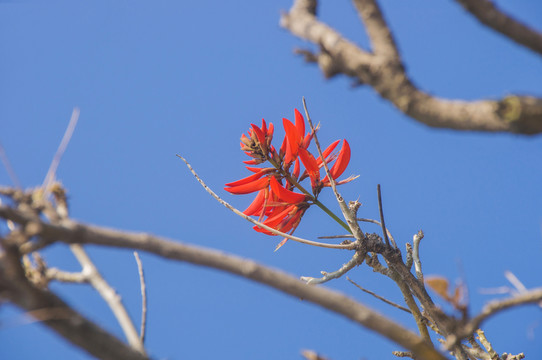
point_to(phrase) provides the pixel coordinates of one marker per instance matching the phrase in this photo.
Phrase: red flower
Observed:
(276, 202)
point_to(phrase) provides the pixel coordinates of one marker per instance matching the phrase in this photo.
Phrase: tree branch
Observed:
(530, 297)
(72, 232)
(385, 73)
(488, 14)
(55, 313)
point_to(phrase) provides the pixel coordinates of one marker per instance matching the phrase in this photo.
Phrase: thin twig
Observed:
(89, 270)
(357, 259)
(259, 224)
(347, 213)
(143, 297)
(379, 224)
(379, 297)
(515, 281)
(109, 295)
(530, 297)
(483, 340)
(345, 236)
(382, 223)
(7, 164)
(51, 173)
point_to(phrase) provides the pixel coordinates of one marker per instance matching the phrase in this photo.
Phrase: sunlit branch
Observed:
(416, 255)
(379, 297)
(69, 231)
(143, 288)
(259, 224)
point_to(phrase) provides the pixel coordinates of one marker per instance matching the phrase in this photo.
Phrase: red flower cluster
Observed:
(276, 201)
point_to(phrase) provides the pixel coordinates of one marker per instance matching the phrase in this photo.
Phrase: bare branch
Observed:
(372, 221)
(488, 14)
(379, 33)
(530, 297)
(356, 260)
(56, 314)
(63, 276)
(257, 223)
(51, 173)
(379, 297)
(9, 169)
(69, 231)
(89, 270)
(416, 255)
(382, 223)
(143, 287)
(483, 340)
(110, 296)
(384, 72)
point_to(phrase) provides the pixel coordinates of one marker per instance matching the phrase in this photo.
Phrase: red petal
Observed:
(308, 160)
(328, 151)
(256, 206)
(299, 123)
(306, 141)
(253, 169)
(270, 130)
(291, 222)
(285, 194)
(275, 219)
(342, 162)
(250, 187)
(293, 136)
(248, 179)
(297, 169)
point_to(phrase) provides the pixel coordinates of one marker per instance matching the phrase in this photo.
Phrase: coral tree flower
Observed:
(277, 204)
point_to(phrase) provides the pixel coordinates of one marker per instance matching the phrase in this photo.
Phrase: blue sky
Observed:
(153, 79)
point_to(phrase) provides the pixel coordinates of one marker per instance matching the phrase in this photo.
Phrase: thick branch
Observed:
(383, 71)
(488, 14)
(56, 314)
(73, 232)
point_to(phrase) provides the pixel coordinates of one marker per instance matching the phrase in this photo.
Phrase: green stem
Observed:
(333, 216)
(314, 200)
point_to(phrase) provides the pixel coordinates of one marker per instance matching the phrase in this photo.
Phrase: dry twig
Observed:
(257, 223)
(143, 287)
